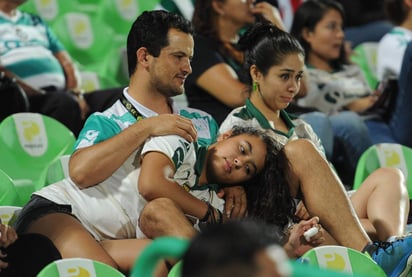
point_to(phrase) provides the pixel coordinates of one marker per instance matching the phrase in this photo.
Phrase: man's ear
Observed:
(224, 135)
(142, 56)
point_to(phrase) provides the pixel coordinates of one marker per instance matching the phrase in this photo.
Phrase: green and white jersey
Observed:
(249, 115)
(188, 160)
(110, 209)
(27, 48)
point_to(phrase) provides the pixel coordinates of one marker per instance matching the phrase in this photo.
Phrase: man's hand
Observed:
(235, 201)
(172, 124)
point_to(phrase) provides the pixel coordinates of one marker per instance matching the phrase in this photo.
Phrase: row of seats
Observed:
(94, 32)
(321, 261)
(35, 151)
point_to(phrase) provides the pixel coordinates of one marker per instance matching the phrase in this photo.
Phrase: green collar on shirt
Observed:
(264, 123)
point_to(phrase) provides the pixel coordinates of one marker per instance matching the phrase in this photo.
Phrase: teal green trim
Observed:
(201, 153)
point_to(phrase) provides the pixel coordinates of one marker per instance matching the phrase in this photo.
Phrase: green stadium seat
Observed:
(146, 5)
(173, 247)
(49, 10)
(8, 192)
(86, 38)
(384, 155)
(365, 56)
(78, 267)
(120, 15)
(8, 214)
(344, 260)
(29, 143)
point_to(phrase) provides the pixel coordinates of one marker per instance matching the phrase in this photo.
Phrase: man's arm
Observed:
(70, 71)
(91, 165)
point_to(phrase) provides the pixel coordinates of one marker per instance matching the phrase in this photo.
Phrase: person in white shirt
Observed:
(391, 47)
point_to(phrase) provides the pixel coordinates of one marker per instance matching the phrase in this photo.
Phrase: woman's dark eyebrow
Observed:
(291, 70)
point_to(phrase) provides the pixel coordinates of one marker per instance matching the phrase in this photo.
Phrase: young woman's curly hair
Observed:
(268, 195)
(269, 199)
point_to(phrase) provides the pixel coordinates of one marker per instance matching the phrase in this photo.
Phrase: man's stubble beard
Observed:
(165, 88)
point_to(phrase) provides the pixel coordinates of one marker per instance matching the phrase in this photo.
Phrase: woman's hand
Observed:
(297, 245)
(269, 12)
(7, 236)
(235, 201)
(362, 104)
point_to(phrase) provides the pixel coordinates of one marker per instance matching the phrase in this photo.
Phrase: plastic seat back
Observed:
(384, 155)
(8, 214)
(70, 267)
(342, 259)
(49, 10)
(365, 56)
(86, 37)
(8, 192)
(120, 15)
(29, 143)
(159, 249)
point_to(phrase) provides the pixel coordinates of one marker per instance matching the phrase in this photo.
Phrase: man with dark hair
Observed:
(238, 248)
(160, 46)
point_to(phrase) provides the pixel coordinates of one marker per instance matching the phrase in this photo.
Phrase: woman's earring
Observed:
(255, 86)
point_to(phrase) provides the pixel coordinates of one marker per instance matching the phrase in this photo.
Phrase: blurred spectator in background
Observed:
(389, 60)
(30, 52)
(365, 20)
(237, 248)
(322, 44)
(335, 84)
(218, 82)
